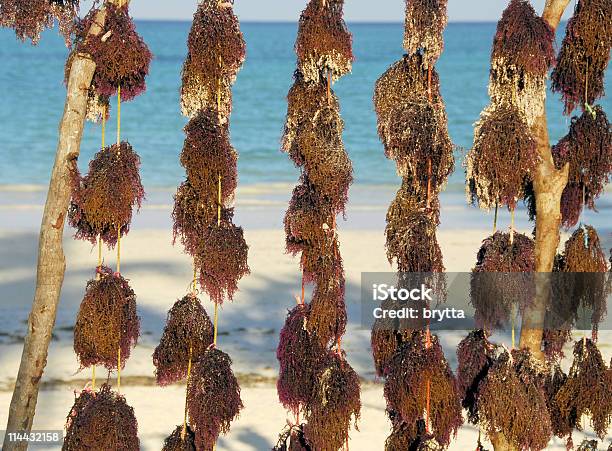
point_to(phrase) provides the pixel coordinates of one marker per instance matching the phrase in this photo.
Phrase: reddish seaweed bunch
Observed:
(511, 400)
(502, 278)
(415, 367)
(30, 17)
(122, 58)
(502, 157)
(213, 397)
(103, 201)
(324, 43)
(587, 390)
(335, 403)
(222, 261)
(327, 317)
(177, 441)
(216, 53)
(475, 355)
(562, 426)
(387, 337)
(585, 52)
(300, 356)
(588, 150)
(425, 24)
(107, 321)
(101, 420)
(208, 154)
(292, 439)
(187, 335)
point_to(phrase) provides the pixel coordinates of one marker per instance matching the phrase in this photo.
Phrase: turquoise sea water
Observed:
(31, 83)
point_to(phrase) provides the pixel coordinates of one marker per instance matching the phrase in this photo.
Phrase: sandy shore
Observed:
(249, 327)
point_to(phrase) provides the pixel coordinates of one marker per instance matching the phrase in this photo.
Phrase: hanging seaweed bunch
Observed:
(553, 341)
(292, 439)
(587, 390)
(324, 43)
(588, 150)
(327, 317)
(216, 53)
(335, 404)
(213, 397)
(122, 58)
(502, 278)
(511, 400)
(101, 420)
(419, 364)
(106, 322)
(187, 335)
(300, 356)
(387, 338)
(180, 440)
(522, 54)
(562, 426)
(103, 200)
(585, 52)
(503, 156)
(29, 18)
(475, 356)
(424, 26)
(222, 261)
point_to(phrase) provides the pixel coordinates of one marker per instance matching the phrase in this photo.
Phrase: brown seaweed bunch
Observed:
(101, 421)
(411, 233)
(386, 338)
(562, 426)
(327, 317)
(187, 335)
(511, 400)
(216, 53)
(292, 439)
(585, 52)
(587, 390)
(502, 278)
(122, 58)
(30, 17)
(103, 201)
(207, 155)
(475, 355)
(420, 144)
(334, 405)
(300, 356)
(522, 54)
(405, 84)
(424, 28)
(213, 397)
(502, 157)
(222, 259)
(415, 367)
(588, 150)
(324, 43)
(107, 321)
(179, 441)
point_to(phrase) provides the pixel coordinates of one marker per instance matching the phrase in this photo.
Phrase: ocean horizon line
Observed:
(289, 22)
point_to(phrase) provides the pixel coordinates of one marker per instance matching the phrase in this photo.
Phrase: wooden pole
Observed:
(51, 260)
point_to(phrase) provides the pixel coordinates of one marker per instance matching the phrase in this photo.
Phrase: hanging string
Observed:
(195, 279)
(118, 115)
(512, 227)
(495, 218)
(184, 431)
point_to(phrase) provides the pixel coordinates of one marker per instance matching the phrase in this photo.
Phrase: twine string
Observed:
(495, 217)
(184, 431)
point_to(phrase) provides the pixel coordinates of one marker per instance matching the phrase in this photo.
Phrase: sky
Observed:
(355, 10)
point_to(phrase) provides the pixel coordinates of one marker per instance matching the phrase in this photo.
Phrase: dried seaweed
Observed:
(588, 150)
(415, 367)
(300, 356)
(292, 439)
(327, 316)
(178, 441)
(213, 397)
(424, 27)
(101, 421)
(475, 355)
(104, 199)
(584, 54)
(502, 157)
(561, 426)
(122, 58)
(553, 341)
(208, 154)
(106, 322)
(322, 263)
(324, 43)
(387, 338)
(187, 335)
(502, 278)
(221, 258)
(335, 403)
(587, 390)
